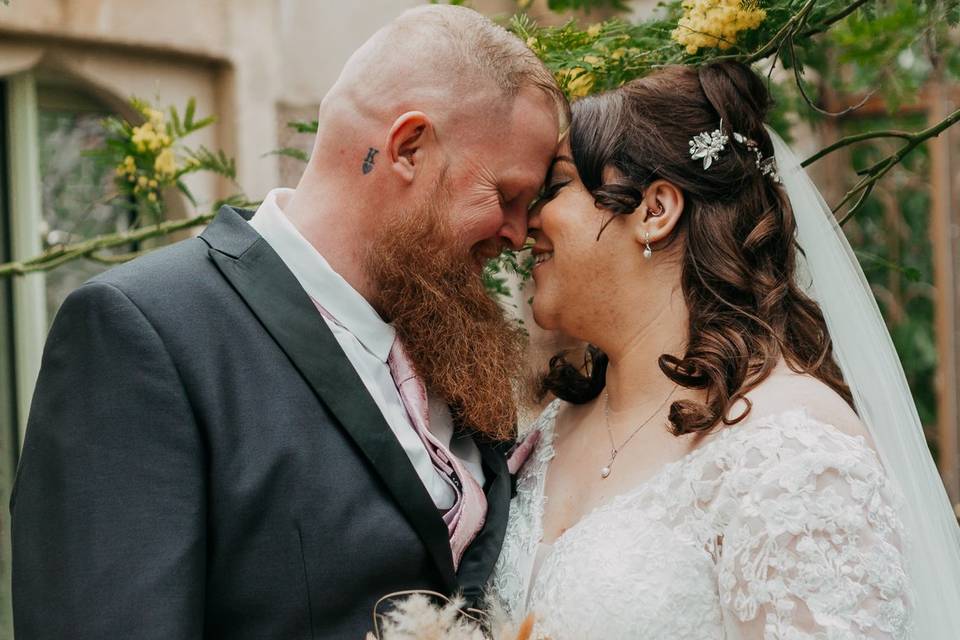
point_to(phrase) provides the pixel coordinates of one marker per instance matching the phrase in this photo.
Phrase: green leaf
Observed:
(559, 6)
(953, 13)
(910, 273)
(237, 200)
(181, 185)
(200, 124)
(188, 114)
(217, 162)
(176, 124)
(301, 126)
(289, 152)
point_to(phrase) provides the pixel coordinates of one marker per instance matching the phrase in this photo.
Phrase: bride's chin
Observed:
(543, 317)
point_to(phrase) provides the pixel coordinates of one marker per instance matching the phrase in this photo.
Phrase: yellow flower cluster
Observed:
(127, 167)
(165, 166)
(578, 81)
(153, 145)
(148, 185)
(148, 137)
(716, 23)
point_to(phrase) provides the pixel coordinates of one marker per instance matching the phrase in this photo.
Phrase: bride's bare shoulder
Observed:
(785, 390)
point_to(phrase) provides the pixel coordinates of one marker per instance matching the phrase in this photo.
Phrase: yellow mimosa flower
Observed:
(578, 81)
(715, 23)
(165, 165)
(156, 118)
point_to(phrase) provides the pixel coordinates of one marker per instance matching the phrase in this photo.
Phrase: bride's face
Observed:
(574, 271)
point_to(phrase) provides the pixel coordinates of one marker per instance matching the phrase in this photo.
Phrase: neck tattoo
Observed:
(368, 161)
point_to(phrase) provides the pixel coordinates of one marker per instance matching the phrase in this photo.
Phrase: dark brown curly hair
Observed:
(739, 250)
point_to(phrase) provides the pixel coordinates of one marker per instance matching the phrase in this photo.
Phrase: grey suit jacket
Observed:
(202, 461)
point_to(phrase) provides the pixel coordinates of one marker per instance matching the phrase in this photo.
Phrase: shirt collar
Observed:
(327, 287)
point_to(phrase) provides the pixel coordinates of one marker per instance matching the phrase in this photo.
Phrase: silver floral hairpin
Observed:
(767, 166)
(708, 145)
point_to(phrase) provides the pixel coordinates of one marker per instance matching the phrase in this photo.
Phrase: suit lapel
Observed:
(283, 307)
(478, 561)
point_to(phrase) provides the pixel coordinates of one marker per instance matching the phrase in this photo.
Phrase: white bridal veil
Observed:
(866, 355)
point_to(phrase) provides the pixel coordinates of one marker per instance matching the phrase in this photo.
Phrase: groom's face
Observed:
(494, 176)
(424, 263)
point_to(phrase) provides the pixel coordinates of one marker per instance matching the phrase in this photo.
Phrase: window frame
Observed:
(25, 217)
(9, 446)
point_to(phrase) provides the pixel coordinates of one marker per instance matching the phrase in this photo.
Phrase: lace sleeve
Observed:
(813, 545)
(511, 577)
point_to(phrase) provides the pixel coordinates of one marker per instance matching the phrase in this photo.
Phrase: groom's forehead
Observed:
(525, 154)
(518, 176)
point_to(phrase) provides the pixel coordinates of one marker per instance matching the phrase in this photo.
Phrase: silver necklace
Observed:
(614, 449)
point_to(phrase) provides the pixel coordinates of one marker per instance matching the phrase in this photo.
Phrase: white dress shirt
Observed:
(366, 340)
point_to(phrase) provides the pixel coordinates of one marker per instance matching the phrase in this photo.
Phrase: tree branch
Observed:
(860, 137)
(787, 31)
(880, 169)
(798, 78)
(93, 247)
(115, 258)
(837, 17)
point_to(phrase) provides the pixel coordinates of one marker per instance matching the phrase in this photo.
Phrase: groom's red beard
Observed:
(459, 340)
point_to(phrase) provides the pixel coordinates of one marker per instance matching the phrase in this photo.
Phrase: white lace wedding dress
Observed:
(780, 527)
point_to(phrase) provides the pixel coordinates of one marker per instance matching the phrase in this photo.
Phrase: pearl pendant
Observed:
(605, 472)
(647, 252)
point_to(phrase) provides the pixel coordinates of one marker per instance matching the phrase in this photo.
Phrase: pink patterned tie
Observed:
(465, 518)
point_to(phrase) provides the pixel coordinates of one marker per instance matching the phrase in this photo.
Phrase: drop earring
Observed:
(647, 251)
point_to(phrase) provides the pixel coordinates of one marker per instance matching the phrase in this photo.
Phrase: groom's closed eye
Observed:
(554, 182)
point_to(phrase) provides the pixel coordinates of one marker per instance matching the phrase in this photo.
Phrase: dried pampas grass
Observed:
(419, 615)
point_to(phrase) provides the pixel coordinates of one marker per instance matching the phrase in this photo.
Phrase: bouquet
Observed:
(426, 615)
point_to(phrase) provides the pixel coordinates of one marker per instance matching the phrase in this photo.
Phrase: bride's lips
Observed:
(541, 255)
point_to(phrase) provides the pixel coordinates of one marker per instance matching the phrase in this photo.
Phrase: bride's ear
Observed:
(658, 213)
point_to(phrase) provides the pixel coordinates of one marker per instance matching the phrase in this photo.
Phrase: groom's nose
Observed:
(514, 229)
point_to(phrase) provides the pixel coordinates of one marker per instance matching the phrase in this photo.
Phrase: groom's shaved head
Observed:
(439, 93)
(449, 59)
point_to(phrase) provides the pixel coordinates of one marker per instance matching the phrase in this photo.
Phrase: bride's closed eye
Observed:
(549, 191)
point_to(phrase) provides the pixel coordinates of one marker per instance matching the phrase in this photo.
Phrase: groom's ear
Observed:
(406, 142)
(659, 212)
